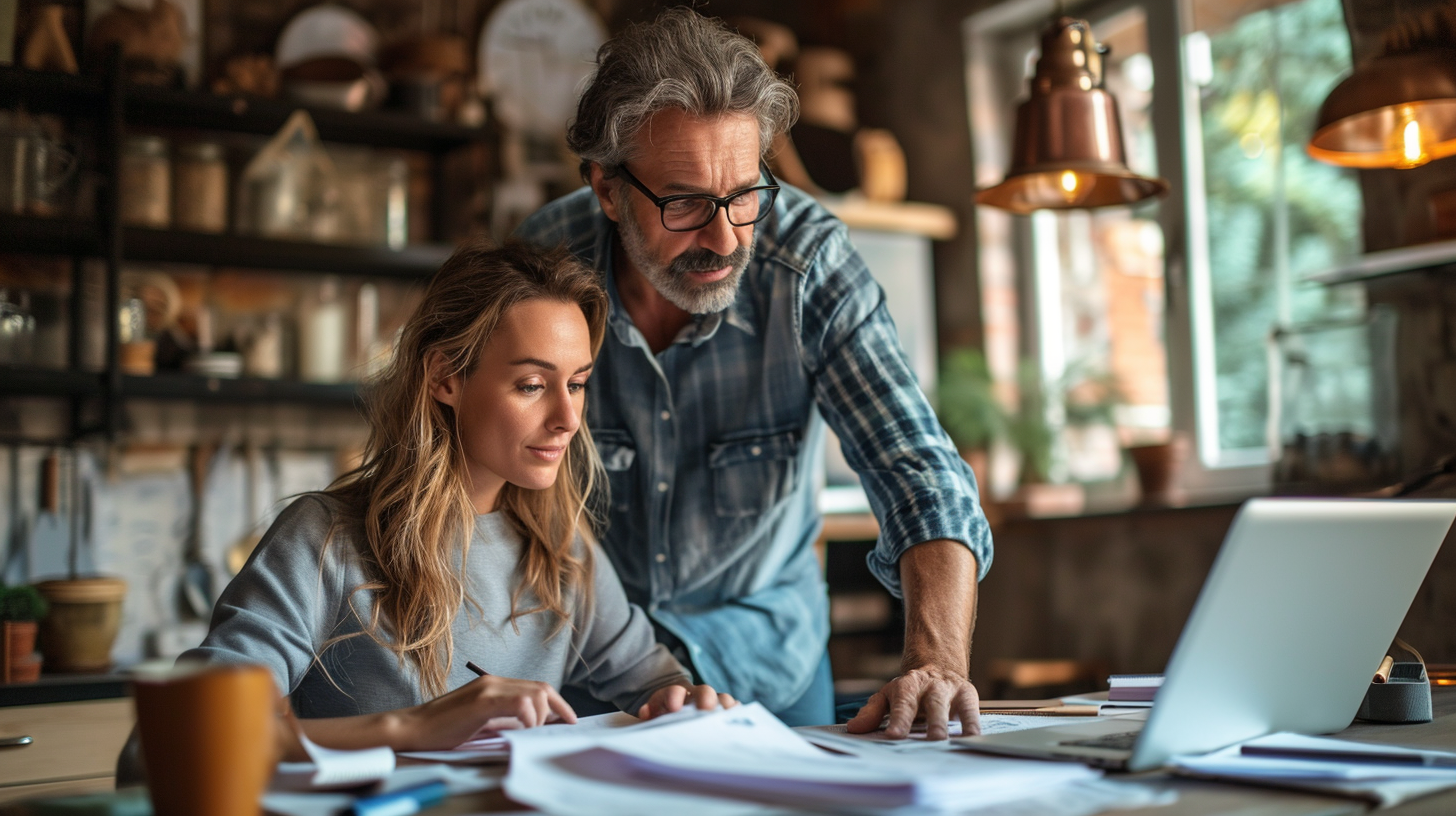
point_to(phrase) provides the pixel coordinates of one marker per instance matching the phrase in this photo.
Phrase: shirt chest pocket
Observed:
(618, 454)
(752, 474)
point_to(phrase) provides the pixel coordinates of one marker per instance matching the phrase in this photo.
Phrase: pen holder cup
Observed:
(1404, 698)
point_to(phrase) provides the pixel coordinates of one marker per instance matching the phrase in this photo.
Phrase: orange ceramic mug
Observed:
(208, 738)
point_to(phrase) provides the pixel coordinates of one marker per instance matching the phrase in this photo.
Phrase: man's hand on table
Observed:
(939, 583)
(931, 692)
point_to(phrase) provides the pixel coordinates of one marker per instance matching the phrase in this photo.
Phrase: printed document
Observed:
(748, 754)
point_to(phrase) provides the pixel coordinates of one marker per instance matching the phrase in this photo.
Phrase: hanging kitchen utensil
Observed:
(195, 590)
(237, 554)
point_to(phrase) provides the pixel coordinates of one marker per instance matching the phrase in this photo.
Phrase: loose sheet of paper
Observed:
(491, 747)
(838, 738)
(335, 770)
(1386, 784)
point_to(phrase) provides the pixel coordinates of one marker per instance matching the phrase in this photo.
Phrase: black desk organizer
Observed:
(1404, 698)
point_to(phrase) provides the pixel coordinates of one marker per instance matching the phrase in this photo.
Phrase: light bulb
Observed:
(1074, 187)
(1411, 148)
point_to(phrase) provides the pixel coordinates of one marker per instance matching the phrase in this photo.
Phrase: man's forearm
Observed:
(938, 579)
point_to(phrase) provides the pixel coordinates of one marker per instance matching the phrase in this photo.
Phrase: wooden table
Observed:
(1200, 798)
(1195, 797)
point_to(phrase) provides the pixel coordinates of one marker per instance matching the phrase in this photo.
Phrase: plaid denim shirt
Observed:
(712, 446)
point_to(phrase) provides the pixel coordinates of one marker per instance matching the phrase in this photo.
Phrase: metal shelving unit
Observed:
(114, 108)
(175, 386)
(1435, 256)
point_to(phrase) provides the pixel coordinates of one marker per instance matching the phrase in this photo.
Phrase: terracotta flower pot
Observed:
(19, 640)
(18, 661)
(85, 616)
(1158, 468)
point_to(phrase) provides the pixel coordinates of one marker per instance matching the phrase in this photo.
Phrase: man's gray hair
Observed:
(680, 60)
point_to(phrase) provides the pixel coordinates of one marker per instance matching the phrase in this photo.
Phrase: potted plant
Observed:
(968, 410)
(21, 607)
(1034, 437)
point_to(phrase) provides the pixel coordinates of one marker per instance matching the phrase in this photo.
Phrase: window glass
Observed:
(1274, 215)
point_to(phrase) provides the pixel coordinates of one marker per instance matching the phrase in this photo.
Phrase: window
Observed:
(1173, 302)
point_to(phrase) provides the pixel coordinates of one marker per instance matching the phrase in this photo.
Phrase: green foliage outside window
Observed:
(1271, 71)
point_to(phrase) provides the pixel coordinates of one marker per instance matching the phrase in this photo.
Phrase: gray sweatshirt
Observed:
(295, 594)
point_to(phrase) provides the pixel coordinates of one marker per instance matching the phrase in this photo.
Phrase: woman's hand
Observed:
(457, 716)
(672, 698)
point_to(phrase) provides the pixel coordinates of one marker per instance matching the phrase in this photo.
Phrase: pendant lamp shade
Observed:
(1397, 110)
(1068, 151)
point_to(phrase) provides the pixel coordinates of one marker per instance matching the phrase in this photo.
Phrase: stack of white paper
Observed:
(748, 754)
(490, 747)
(1360, 773)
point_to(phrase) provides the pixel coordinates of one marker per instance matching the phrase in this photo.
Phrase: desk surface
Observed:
(1195, 797)
(1199, 798)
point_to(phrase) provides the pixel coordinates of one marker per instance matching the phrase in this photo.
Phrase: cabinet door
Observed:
(69, 741)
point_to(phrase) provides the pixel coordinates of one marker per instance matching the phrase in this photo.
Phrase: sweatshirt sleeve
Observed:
(279, 607)
(621, 660)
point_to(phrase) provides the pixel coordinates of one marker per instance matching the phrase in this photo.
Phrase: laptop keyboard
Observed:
(1122, 741)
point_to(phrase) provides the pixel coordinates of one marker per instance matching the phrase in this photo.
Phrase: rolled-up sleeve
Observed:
(918, 485)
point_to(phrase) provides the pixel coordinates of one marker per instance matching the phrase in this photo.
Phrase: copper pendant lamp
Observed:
(1399, 109)
(1068, 152)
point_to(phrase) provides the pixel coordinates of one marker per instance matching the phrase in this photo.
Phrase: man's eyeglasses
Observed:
(692, 211)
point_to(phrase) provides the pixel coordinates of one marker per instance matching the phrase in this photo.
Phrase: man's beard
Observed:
(672, 281)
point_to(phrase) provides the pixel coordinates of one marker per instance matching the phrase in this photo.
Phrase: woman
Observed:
(463, 536)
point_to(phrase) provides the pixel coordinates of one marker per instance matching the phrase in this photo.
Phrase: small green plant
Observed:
(22, 603)
(966, 401)
(1090, 395)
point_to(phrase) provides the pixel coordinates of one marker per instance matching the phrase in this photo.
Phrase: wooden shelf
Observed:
(172, 246)
(29, 381)
(50, 91)
(49, 236)
(163, 107)
(61, 236)
(174, 386)
(930, 220)
(148, 106)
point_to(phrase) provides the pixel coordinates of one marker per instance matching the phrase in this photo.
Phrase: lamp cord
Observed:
(1444, 467)
(1435, 26)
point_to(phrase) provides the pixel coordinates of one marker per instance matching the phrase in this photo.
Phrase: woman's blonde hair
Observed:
(410, 492)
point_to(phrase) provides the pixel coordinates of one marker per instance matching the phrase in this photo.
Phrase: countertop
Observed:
(64, 688)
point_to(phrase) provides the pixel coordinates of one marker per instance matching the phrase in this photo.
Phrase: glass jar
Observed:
(146, 182)
(17, 327)
(200, 187)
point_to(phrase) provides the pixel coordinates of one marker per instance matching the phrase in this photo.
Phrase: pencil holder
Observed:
(1404, 698)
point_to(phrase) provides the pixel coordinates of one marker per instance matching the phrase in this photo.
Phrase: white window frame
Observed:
(1209, 474)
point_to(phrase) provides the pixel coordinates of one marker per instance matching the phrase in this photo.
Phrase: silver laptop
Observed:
(1294, 618)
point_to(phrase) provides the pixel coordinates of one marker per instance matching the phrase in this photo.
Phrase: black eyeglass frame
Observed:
(719, 202)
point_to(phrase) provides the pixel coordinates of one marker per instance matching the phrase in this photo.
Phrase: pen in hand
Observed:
(470, 664)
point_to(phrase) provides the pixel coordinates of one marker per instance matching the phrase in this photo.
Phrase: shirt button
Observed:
(756, 450)
(666, 415)
(661, 558)
(662, 487)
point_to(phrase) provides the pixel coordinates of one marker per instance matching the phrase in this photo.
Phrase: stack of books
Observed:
(1133, 688)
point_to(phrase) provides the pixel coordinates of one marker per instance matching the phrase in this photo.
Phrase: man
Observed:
(741, 320)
